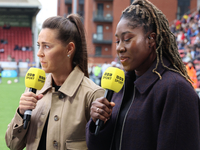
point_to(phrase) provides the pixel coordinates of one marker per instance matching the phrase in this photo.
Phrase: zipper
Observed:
(120, 145)
(116, 120)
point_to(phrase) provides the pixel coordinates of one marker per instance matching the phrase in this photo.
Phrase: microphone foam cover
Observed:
(35, 78)
(113, 79)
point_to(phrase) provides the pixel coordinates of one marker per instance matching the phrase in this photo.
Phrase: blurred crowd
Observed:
(96, 71)
(187, 33)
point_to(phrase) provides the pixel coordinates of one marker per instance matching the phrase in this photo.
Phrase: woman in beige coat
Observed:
(61, 109)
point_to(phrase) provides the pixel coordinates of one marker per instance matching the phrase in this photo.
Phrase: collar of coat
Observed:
(149, 77)
(70, 85)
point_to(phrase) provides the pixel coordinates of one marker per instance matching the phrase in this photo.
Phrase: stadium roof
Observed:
(31, 7)
(18, 12)
(19, 3)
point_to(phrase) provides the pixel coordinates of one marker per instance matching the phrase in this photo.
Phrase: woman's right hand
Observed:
(28, 101)
(101, 109)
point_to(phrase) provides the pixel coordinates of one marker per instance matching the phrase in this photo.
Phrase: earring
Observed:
(68, 56)
(150, 37)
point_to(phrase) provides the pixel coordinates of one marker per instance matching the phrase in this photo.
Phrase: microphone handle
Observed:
(27, 113)
(99, 123)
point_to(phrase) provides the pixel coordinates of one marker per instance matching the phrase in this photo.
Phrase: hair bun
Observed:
(139, 2)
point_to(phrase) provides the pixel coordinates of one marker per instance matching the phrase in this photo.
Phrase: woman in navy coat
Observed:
(157, 109)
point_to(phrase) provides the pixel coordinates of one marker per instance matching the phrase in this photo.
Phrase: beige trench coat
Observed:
(68, 115)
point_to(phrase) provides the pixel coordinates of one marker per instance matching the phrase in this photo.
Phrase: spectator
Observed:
(5, 42)
(2, 41)
(113, 63)
(188, 56)
(16, 47)
(23, 48)
(178, 25)
(91, 73)
(192, 73)
(97, 74)
(105, 66)
(27, 48)
(6, 26)
(9, 58)
(197, 39)
(1, 69)
(1, 50)
(18, 72)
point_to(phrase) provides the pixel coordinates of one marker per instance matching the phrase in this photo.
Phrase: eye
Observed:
(38, 45)
(117, 42)
(46, 46)
(126, 40)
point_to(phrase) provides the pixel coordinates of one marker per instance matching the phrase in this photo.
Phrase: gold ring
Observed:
(97, 109)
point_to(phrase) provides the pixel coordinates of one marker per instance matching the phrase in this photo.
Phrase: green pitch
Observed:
(9, 101)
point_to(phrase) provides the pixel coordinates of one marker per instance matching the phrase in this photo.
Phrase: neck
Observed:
(59, 78)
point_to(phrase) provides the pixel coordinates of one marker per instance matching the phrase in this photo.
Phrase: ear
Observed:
(152, 40)
(70, 48)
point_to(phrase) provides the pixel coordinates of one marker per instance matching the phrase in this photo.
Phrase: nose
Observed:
(120, 48)
(40, 53)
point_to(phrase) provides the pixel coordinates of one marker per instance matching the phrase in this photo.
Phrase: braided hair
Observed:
(144, 13)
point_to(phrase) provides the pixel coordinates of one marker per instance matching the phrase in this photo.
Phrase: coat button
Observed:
(56, 118)
(61, 96)
(55, 144)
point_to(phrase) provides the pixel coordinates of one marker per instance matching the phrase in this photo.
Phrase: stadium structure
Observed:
(18, 33)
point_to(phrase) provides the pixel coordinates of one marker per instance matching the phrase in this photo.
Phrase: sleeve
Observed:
(15, 134)
(103, 140)
(179, 124)
(93, 96)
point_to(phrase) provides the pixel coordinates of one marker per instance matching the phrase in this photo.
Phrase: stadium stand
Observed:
(18, 29)
(20, 36)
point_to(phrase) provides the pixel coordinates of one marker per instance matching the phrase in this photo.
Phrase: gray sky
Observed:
(49, 8)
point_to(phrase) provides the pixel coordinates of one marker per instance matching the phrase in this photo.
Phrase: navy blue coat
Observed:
(164, 115)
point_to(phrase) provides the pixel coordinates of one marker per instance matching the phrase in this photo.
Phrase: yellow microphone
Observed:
(113, 81)
(34, 80)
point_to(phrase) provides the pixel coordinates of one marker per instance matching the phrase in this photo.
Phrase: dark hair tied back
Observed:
(71, 29)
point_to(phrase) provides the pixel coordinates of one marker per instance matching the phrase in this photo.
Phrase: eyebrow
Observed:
(123, 33)
(44, 43)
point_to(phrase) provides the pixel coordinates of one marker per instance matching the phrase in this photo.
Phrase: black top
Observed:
(126, 102)
(42, 144)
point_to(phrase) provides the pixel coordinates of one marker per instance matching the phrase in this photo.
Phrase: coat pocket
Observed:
(76, 145)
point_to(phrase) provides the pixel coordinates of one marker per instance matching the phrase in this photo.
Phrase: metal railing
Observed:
(102, 38)
(102, 16)
(68, 1)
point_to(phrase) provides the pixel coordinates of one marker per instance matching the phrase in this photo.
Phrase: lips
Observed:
(42, 62)
(123, 59)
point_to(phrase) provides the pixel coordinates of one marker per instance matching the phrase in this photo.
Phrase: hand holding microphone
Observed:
(112, 80)
(34, 80)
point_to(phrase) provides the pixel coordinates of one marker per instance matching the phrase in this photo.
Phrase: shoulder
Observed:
(90, 86)
(170, 77)
(173, 82)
